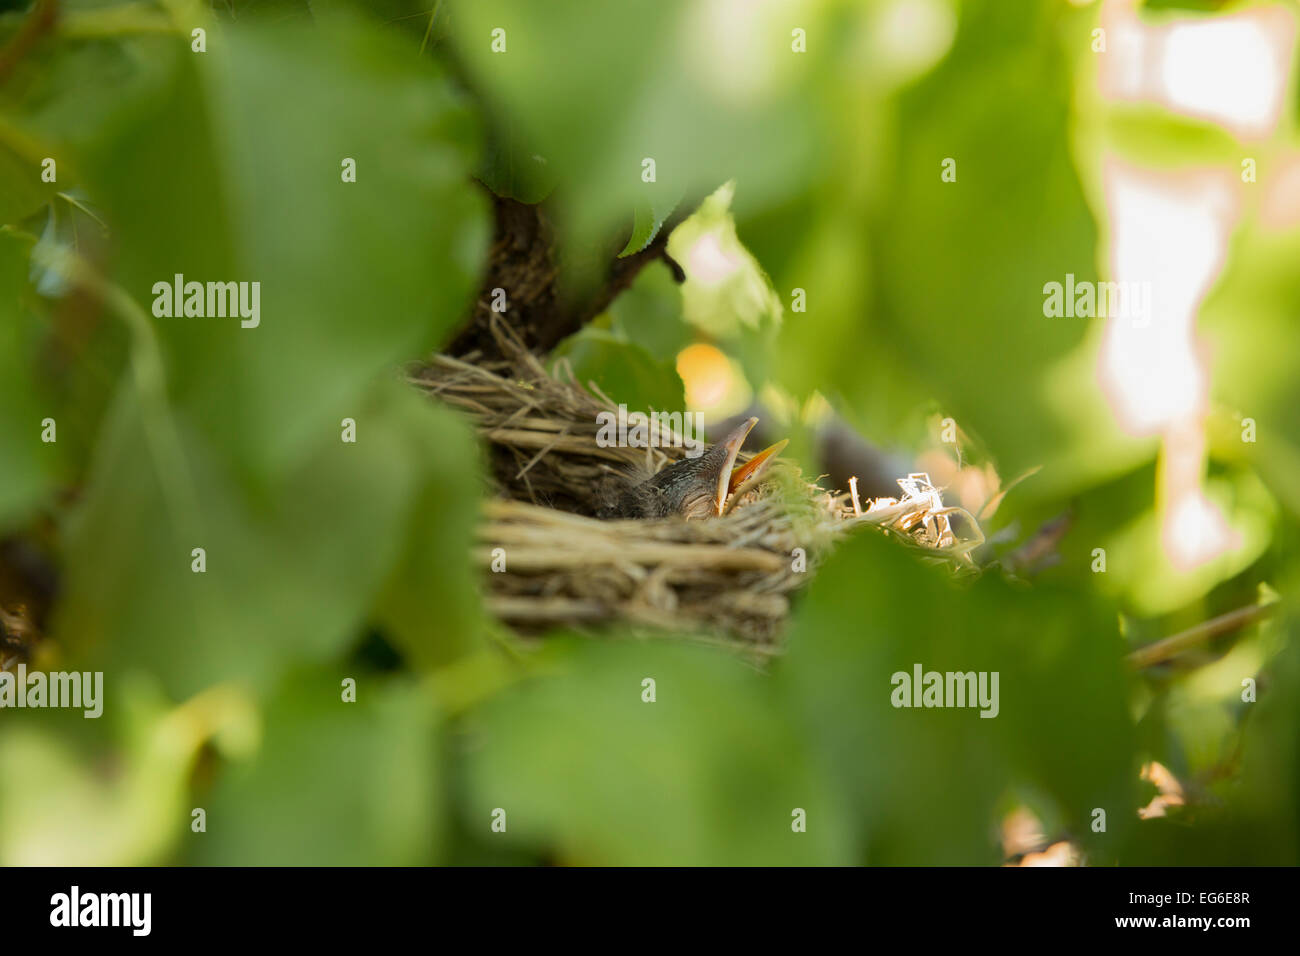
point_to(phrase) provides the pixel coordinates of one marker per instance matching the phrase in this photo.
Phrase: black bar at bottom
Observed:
(335, 906)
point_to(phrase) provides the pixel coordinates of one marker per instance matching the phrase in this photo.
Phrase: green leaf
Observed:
(707, 774)
(927, 782)
(652, 84)
(513, 170)
(29, 464)
(648, 219)
(627, 373)
(110, 791)
(915, 287)
(332, 783)
(649, 312)
(430, 603)
(1249, 322)
(291, 574)
(24, 192)
(231, 170)
(1244, 804)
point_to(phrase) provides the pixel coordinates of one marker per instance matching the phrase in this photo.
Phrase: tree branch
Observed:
(523, 262)
(1167, 647)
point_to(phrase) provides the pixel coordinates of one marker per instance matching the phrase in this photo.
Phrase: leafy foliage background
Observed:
(328, 560)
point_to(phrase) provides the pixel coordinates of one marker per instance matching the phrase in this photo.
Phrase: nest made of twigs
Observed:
(549, 562)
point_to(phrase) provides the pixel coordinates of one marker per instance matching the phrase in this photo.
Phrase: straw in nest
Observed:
(730, 577)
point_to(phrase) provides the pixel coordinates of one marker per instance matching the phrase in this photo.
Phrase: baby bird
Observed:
(695, 487)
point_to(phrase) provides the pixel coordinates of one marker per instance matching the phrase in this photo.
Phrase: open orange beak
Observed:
(756, 465)
(732, 477)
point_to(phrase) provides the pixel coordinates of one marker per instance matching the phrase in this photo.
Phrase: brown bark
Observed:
(523, 261)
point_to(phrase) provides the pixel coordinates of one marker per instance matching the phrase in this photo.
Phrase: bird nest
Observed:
(549, 562)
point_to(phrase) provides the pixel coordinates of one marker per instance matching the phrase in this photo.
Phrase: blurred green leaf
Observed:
(24, 192)
(1250, 818)
(625, 372)
(1249, 320)
(290, 576)
(708, 773)
(913, 284)
(122, 803)
(430, 602)
(653, 85)
(512, 170)
(926, 782)
(649, 312)
(231, 171)
(332, 783)
(29, 464)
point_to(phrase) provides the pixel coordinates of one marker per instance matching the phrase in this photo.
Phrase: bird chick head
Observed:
(703, 484)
